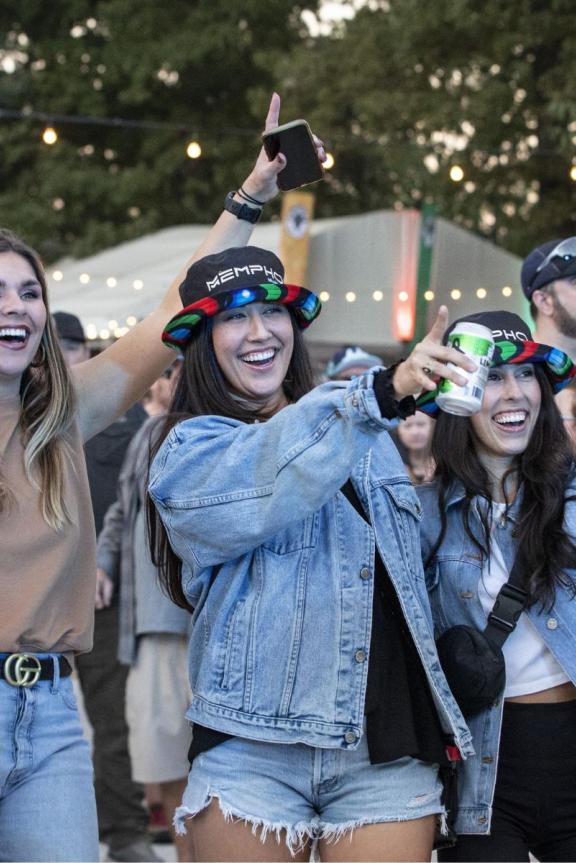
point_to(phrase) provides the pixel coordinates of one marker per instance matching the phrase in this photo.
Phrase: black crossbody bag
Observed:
(472, 660)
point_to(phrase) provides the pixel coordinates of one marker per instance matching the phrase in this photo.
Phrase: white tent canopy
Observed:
(367, 255)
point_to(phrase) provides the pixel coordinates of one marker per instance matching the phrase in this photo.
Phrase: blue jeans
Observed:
(47, 805)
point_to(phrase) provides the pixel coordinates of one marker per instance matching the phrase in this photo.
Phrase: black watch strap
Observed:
(241, 211)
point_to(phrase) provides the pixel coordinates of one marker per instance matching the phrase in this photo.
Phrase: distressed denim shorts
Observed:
(310, 793)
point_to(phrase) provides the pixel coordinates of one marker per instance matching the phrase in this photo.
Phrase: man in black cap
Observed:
(122, 818)
(549, 282)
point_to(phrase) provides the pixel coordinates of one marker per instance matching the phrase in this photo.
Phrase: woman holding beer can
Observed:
(498, 543)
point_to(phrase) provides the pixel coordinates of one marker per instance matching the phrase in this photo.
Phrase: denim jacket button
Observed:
(552, 623)
(360, 656)
(351, 737)
(365, 573)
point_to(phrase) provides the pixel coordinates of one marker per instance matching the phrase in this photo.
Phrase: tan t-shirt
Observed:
(47, 577)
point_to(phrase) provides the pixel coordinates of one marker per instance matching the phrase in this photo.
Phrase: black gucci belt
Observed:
(26, 669)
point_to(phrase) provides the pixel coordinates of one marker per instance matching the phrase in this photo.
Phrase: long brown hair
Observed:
(48, 404)
(203, 390)
(543, 472)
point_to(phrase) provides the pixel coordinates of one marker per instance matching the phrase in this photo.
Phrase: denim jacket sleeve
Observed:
(223, 487)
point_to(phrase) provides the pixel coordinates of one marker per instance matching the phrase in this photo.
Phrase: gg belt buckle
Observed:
(18, 673)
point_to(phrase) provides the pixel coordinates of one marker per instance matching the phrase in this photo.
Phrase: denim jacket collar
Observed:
(457, 494)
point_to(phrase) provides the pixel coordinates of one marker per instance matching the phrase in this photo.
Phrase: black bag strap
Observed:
(508, 606)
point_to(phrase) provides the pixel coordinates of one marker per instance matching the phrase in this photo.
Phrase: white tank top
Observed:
(530, 665)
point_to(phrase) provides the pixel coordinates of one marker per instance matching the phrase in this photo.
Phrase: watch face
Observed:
(297, 221)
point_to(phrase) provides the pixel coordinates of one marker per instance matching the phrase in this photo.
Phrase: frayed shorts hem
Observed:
(302, 794)
(296, 835)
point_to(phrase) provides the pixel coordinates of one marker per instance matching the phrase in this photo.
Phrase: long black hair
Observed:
(203, 390)
(542, 473)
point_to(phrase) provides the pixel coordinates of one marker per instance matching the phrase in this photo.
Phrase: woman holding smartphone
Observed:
(283, 517)
(505, 490)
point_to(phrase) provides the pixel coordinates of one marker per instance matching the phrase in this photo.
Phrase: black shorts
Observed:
(535, 798)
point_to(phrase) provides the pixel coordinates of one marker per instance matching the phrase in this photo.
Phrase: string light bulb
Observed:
(50, 135)
(193, 150)
(573, 173)
(456, 174)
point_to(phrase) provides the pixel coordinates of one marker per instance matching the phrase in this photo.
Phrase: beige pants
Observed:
(157, 697)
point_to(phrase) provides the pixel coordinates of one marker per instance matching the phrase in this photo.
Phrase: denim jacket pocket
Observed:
(232, 664)
(455, 597)
(404, 513)
(404, 496)
(300, 535)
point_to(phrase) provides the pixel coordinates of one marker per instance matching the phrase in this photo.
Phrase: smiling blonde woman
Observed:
(47, 565)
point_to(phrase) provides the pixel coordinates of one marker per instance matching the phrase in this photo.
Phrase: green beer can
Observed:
(476, 342)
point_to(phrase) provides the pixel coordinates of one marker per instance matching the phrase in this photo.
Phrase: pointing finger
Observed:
(439, 326)
(273, 112)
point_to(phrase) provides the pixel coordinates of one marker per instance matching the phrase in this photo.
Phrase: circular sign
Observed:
(297, 221)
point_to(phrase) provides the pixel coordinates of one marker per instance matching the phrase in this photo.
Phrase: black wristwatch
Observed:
(241, 211)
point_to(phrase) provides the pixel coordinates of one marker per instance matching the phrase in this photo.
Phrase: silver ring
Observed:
(426, 370)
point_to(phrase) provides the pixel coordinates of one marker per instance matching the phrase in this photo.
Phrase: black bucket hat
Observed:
(513, 343)
(233, 278)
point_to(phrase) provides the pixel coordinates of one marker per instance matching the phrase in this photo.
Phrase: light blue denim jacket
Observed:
(453, 577)
(280, 569)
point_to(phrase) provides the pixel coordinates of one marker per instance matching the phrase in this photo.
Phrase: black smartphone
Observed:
(295, 141)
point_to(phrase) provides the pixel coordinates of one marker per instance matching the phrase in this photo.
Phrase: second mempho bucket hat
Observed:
(513, 343)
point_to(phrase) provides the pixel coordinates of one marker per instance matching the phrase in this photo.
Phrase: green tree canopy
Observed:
(407, 89)
(207, 65)
(401, 92)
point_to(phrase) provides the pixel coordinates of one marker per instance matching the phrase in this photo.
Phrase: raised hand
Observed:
(261, 182)
(428, 362)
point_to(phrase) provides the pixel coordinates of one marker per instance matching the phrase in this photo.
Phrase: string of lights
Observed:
(50, 135)
(118, 122)
(193, 148)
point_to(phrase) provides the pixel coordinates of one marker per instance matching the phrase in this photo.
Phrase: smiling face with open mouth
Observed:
(503, 427)
(253, 346)
(22, 318)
